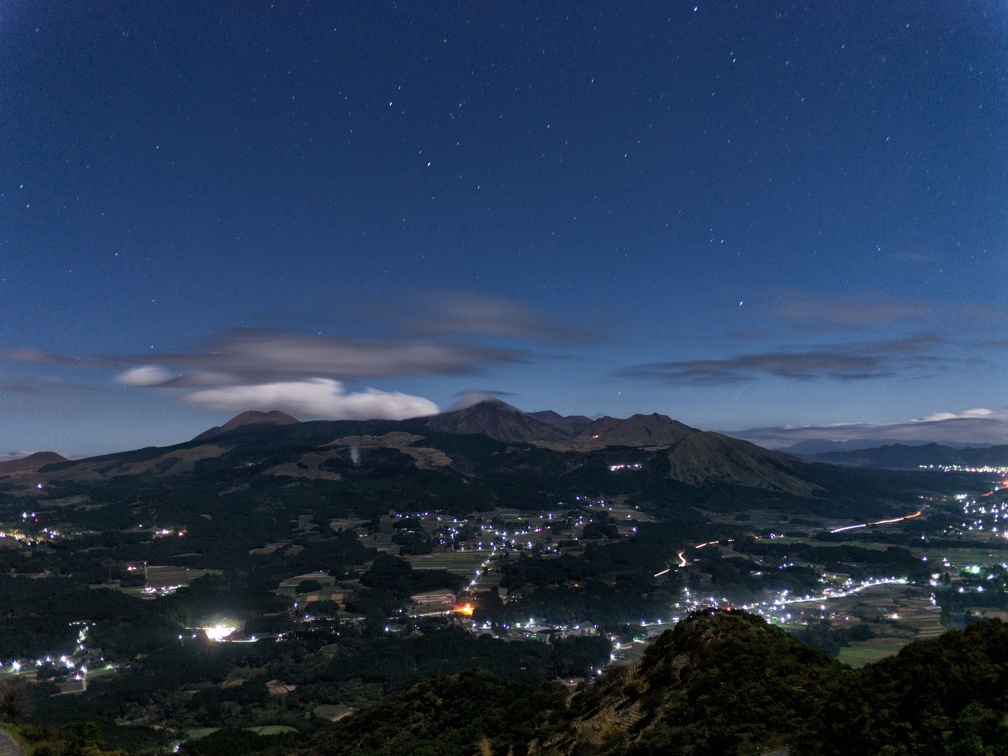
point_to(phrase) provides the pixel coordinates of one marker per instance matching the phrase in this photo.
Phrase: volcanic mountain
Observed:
(252, 417)
(541, 461)
(706, 457)
(646, 431)
(500, 421)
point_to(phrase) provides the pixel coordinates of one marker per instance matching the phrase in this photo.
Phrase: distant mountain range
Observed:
(904, 457)
(811, 447)
(277, 445)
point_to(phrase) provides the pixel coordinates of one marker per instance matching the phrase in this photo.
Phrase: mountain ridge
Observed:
(648, 431)
(31, 462)
(436, 454)
(500, 421)
(901, 456)
(504, 422)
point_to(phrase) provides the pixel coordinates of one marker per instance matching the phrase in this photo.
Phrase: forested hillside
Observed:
(719, 683)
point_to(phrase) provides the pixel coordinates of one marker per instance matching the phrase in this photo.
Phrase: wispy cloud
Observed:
(869, 310)
(261, 356)
(440, 313)
(970, 414)
(845, 362)
(973, 426)
(303, 374)
(851, 313)
(44, 384)
(464, 399)
(426, 334)
(30, 388)
(32, 356)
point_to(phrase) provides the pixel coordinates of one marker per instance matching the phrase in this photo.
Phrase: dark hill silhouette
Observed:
(31, 462)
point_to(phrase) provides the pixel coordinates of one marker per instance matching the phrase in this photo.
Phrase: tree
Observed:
(14, 700)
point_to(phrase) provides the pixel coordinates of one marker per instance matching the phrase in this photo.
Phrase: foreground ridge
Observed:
(720, 682)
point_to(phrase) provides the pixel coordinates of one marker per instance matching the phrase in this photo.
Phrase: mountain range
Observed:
(477, 454)
(905, 457)
(503, 422)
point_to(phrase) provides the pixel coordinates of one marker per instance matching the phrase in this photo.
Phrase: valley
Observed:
(285, 575)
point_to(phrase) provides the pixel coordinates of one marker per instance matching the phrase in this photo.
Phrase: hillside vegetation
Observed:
(719, 683)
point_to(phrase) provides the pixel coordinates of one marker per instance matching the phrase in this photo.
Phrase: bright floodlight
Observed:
(219, 632)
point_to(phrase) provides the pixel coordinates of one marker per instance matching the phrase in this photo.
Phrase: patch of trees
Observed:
(826, 636)
(857, 561)
(391, 581)
(455, 715)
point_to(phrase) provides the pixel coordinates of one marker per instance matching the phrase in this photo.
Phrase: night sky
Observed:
(778, 220)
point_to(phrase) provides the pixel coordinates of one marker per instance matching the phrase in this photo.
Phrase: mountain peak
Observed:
(250, 417)
(498, 420)
(649, 431)
(708, 457)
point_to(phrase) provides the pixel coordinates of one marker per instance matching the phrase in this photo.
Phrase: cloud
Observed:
(845, 362)
(869, 309)
(302, 373)
(44, 384)
(145, 375)
(975, 426)
(33, 356)
(27, 354)
(262, 356)
(314, 398)
(968, 414)
(441, 313)
(465, 399)
(446, 333)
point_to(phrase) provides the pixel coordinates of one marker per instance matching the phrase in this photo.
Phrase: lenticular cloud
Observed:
(317, 397)
(145, 375)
